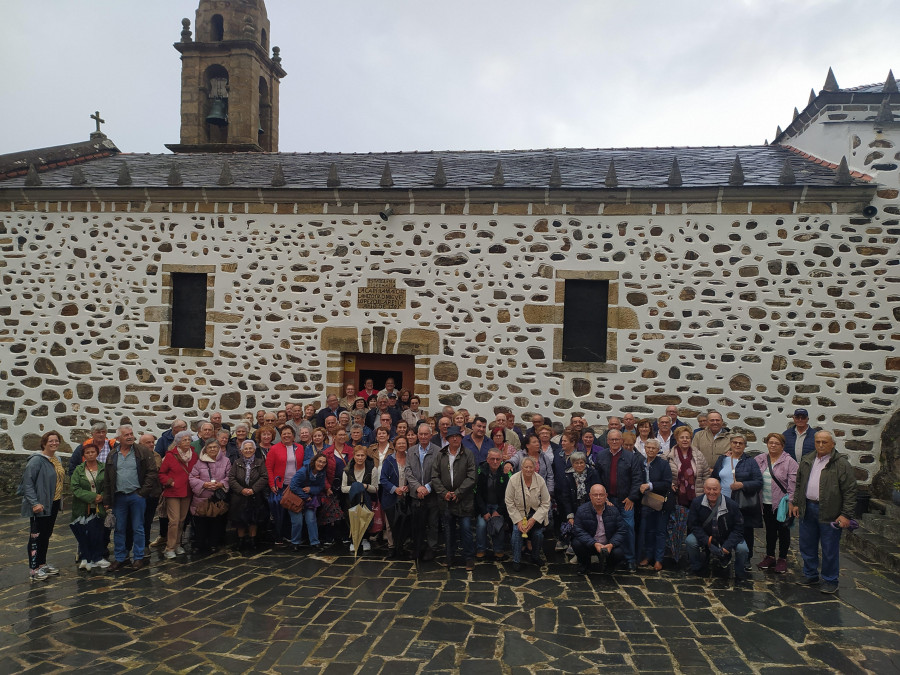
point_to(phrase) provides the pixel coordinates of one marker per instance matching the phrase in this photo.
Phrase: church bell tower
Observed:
(229, 82)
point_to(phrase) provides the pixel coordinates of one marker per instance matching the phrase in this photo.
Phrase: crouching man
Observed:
(599, 531)
(716, 531)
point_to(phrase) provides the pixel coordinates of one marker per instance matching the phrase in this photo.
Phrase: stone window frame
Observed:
(163, 314)
(552, 316)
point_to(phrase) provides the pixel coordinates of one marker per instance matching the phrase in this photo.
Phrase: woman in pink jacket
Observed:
(209, 485)
(779, 472)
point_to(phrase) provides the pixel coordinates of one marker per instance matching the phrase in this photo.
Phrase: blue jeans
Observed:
(535, 536)
(129, 509)
(812, 535)
(481, 533)
(699, 556)
(652, 536)
(628, 518)
(312, 527)
(464, 523)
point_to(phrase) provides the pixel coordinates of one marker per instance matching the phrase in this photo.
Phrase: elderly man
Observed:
(598, 531)
(453, 479)
(537, 421)
(799, 440)
(296, 420)
(382, 405)
(204, 432)
(331, 428)
(614, 423)
(148, 441)
(167, 438)
(824, 501)
(714, 440)
(665, 436)
(621, 473)
(440, 438)
(419, 465)
(332, 407)
(131, 477)
(98, 435)
(716, 530)
(216, 419)
(349, 396)
(672, 414)
(511, 436)
(629, 424)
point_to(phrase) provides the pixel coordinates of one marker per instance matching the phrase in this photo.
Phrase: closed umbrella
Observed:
(360, 517)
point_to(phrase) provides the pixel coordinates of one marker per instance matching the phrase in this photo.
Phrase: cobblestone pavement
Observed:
(294, 612)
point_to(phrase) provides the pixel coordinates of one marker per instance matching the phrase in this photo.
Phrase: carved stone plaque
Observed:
(381, 294)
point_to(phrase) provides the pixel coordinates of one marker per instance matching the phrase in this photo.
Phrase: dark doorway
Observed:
(584, 320)
(380, 367)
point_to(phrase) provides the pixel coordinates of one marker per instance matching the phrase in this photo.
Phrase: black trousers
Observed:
(39, 538)
(584, 553)
(775, 532)
(210, 532)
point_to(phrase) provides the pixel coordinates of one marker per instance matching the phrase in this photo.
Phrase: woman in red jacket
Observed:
(173, 475)
(282, 462)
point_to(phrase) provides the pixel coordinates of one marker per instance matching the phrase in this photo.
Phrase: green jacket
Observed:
(83, 496)
(837, 487)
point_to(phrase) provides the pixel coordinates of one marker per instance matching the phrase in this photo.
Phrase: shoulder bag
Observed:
(783, 510)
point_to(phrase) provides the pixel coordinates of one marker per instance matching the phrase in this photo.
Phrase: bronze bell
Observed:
(217, 113)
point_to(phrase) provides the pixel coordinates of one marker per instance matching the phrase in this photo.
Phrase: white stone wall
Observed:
(752, 314)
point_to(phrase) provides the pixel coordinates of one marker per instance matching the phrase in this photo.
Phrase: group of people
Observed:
(640, 493)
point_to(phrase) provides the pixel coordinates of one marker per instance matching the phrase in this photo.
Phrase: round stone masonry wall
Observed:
(753, 314)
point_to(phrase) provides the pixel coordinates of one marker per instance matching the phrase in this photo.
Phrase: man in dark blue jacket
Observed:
(621, 474)
(799, 439)
(598, 531)
(716, 528)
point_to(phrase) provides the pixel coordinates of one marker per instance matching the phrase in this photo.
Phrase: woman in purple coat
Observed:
(209, 475)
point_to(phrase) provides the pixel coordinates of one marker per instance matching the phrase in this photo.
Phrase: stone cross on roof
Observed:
(96, 117)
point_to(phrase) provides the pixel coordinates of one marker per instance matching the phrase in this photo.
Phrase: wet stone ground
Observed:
(283, 612)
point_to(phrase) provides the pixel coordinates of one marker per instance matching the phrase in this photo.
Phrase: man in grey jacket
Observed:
(419, 462)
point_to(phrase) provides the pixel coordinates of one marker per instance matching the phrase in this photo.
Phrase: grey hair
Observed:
(576, 456)
(528, 458)
(211, 441)
(652, 441)
(99, 426)
(182, 434)
(250, 441)
(355, 427)
(242, 424)
(125, 426)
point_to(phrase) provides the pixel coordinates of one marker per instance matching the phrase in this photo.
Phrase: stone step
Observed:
(885, 526)
(886, 508)
(874, 547)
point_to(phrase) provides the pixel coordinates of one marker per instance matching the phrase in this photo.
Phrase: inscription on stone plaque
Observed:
(381, 294)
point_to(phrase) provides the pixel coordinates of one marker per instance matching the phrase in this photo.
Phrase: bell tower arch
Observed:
(229, 81)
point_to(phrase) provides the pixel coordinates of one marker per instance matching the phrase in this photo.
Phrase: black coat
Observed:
(730, 525)
(747, 472)
(481, 489)
(586, 525)
(629, 474)
(566, 494)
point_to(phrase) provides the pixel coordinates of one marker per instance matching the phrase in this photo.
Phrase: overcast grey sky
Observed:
(368, 76)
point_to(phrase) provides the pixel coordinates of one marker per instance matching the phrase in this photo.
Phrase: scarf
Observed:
(580, 491)
(184, 456)
(686, 482)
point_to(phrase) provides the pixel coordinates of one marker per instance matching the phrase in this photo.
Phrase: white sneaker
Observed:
(352, 548)
(103, 563)
(39, 575)
(169, 555)
(89, 566)
(366, 546)
(50, 569)
(179, 550)
(83, 565)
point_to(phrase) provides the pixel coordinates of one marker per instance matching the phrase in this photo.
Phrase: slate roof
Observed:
(44, 159)
(639, 168)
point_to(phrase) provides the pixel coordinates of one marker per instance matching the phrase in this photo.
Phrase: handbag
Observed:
(216, 504)
(783, 510)
(653, 500)
(291, 501)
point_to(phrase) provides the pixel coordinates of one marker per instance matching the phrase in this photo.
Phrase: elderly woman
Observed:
(308, 484)
(741, 479)
(282, 462)
(247, 481)
(576, 482)
(363, 471)
(209, 483)
(174, 475)
(779, 476)
(657, 479)
(394, 496)
(689, 472)
(497, 434)
(528, 504)
(87, 504)
(542, 461)
(241, 434)
(41, 489)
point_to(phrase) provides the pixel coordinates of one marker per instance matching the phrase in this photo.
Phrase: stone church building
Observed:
(231, 276)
